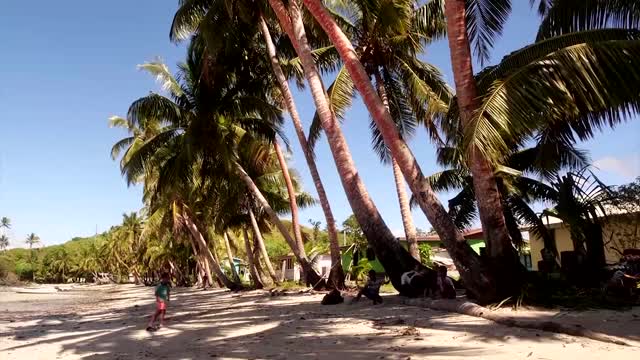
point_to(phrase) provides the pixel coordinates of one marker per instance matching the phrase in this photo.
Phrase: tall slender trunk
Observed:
(293, 203)
(232, 265)
(257, 282)
(256, 257)
(393, 257)
(263, 250)
(403, 198)
(405, 211)
(312, 276)
(202, 245)
(477, 279)
(500, 250)
(336, 276)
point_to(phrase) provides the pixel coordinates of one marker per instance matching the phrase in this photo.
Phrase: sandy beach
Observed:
(108, 322)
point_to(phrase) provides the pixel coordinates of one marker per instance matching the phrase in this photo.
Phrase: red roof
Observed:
(468, 234)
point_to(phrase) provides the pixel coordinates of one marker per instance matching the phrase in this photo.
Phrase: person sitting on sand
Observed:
(371, 289)
(163, 295)
(446, 288)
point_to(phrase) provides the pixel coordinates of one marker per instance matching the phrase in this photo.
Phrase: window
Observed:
(289, 264)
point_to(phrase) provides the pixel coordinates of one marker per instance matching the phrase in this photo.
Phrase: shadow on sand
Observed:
(254, 325)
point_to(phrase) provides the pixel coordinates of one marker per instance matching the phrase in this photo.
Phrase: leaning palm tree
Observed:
(4, 242)
(198, 15)
(393, 257)
(478, 23)
(205, 124)
(32, 239)
(411, 90)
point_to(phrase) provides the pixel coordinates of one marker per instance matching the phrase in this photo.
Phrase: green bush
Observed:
(24, 270)
(6, 267)
(425, 253)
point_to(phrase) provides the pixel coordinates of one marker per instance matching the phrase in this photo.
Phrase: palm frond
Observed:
(187, 18)
(429, 19)
(588, 79)
(485, 22)
(163, 75)
(567, 16)
(340, 94)
(121, 145)
(154, 107)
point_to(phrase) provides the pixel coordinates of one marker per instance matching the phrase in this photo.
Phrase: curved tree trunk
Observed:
(336, 276)
(405, 211)
(393, 257)
(403, 198)
(202, 245)
(263, 249)
(264, 276)
(312, 276)
(293, 203)
(471, 309)
(232, 265)
(200, 267)
(498, 242)
(255, 276)
(476, 276)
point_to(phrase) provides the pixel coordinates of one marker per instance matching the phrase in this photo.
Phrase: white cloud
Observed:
(628, 167)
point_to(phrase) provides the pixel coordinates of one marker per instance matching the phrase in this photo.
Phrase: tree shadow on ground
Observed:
(254, 325)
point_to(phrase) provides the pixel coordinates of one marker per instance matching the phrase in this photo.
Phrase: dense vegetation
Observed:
(82, 259)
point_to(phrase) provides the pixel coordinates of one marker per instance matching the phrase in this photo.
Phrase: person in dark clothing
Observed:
(371, 289)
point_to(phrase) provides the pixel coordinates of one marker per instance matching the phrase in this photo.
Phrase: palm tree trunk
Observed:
(336, 276)
(232, 265)
(256, 260)
(498, 242)
(263, 250)
(476, 277)
(202, 245)
(293, 203)
(312, 277)
(257, 282)
(403, 198)
(394, 258)
(200, 268)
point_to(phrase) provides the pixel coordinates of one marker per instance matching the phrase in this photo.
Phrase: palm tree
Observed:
(461, 252)
(189, 17)
(395, 259)
(4, 242)
(412, 91)
(479, 22)
(32, 239)
(5, 223)
(241, 112)
(580, 200)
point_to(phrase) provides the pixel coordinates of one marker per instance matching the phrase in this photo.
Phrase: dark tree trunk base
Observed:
(471, 309)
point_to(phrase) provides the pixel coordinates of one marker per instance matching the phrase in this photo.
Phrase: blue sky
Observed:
(67, 66)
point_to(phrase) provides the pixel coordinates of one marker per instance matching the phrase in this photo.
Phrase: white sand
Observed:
(108, 322)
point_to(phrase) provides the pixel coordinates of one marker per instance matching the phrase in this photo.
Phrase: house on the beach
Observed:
(288, 269)
(620, 231)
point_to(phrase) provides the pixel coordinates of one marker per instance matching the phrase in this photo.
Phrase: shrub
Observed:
(425, 253)
(24, 270)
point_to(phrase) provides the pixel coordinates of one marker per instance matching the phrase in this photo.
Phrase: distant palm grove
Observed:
(210, 152)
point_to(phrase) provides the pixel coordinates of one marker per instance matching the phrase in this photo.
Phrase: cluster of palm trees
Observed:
(5, 224)
(209, 156)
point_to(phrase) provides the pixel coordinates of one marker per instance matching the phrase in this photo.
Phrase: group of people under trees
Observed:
(434, 283)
